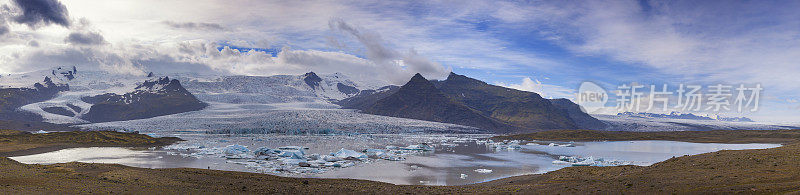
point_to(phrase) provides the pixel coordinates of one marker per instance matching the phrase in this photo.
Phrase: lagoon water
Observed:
(453, 163)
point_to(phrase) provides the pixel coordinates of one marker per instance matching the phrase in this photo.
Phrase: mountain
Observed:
(420, 99)
(526, 109)
(523, 111)
(577, 115)
(367, 98)
(13, 98)
(155, 97)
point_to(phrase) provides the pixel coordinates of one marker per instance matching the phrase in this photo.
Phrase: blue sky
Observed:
(549, 47)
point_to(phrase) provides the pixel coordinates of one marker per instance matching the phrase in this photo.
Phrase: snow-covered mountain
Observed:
(154, 97)
(309, 88)
(306, 91)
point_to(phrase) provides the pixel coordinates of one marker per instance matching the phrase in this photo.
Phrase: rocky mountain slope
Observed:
(526, 109)
(152, 98)
(419, 99)
(577, 115)
(11, 99)
(511, 109)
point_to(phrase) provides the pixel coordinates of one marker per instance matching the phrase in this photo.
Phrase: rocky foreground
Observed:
(775, 170)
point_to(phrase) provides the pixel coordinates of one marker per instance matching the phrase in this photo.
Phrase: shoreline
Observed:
(21, 143)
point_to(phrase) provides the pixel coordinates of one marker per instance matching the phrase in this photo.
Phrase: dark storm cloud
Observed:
(88, 38)
(193, 25)
(42, 12)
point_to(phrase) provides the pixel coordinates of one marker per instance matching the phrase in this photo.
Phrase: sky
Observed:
(548, 47)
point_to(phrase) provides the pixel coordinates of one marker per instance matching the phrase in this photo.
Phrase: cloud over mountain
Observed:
(87, 38)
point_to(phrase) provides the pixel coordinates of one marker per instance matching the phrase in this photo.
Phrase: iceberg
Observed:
(291, 155)
(332, 164)
(235, 149)
(345, 153)
(420, 147)
(40, 132)
(561, 145)
(375, 153)
(484, 171)
(588, 161)
(329, 158)
(393, 158)
(265, 151)
(463, 176)
(293, 161)
(302, 150)
(292, 152)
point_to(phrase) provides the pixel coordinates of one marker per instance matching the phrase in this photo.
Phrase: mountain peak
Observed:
(457, 78)
(161, 83)
(418, 82)
(420, 99)
(312, 80)
(418, 77)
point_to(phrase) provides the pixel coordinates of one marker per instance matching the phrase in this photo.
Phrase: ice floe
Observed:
(484, 171)
(588, 161)
(560, 145)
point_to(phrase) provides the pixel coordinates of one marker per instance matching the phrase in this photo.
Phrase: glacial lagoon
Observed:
(454, 160)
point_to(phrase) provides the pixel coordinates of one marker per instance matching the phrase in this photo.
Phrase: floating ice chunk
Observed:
(560, 162)
(332, 164)
(265, 151)
(329, 158)
(291, 154)
(394, 158)
(302, 150)
(464, 140)
(235, 149)
(375, 153)
(420, 147)
(349, 164)
(586, 162)
(313, 156)
(318, 162)
(293, 161)
(345, 153)
(531, 144)
(449, 145)
(463, 176)
(484, 171)
(561, 145)
(40, 132)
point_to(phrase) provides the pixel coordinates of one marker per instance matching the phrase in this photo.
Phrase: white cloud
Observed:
(544, 90)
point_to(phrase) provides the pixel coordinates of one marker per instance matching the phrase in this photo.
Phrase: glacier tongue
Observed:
(275, 89)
